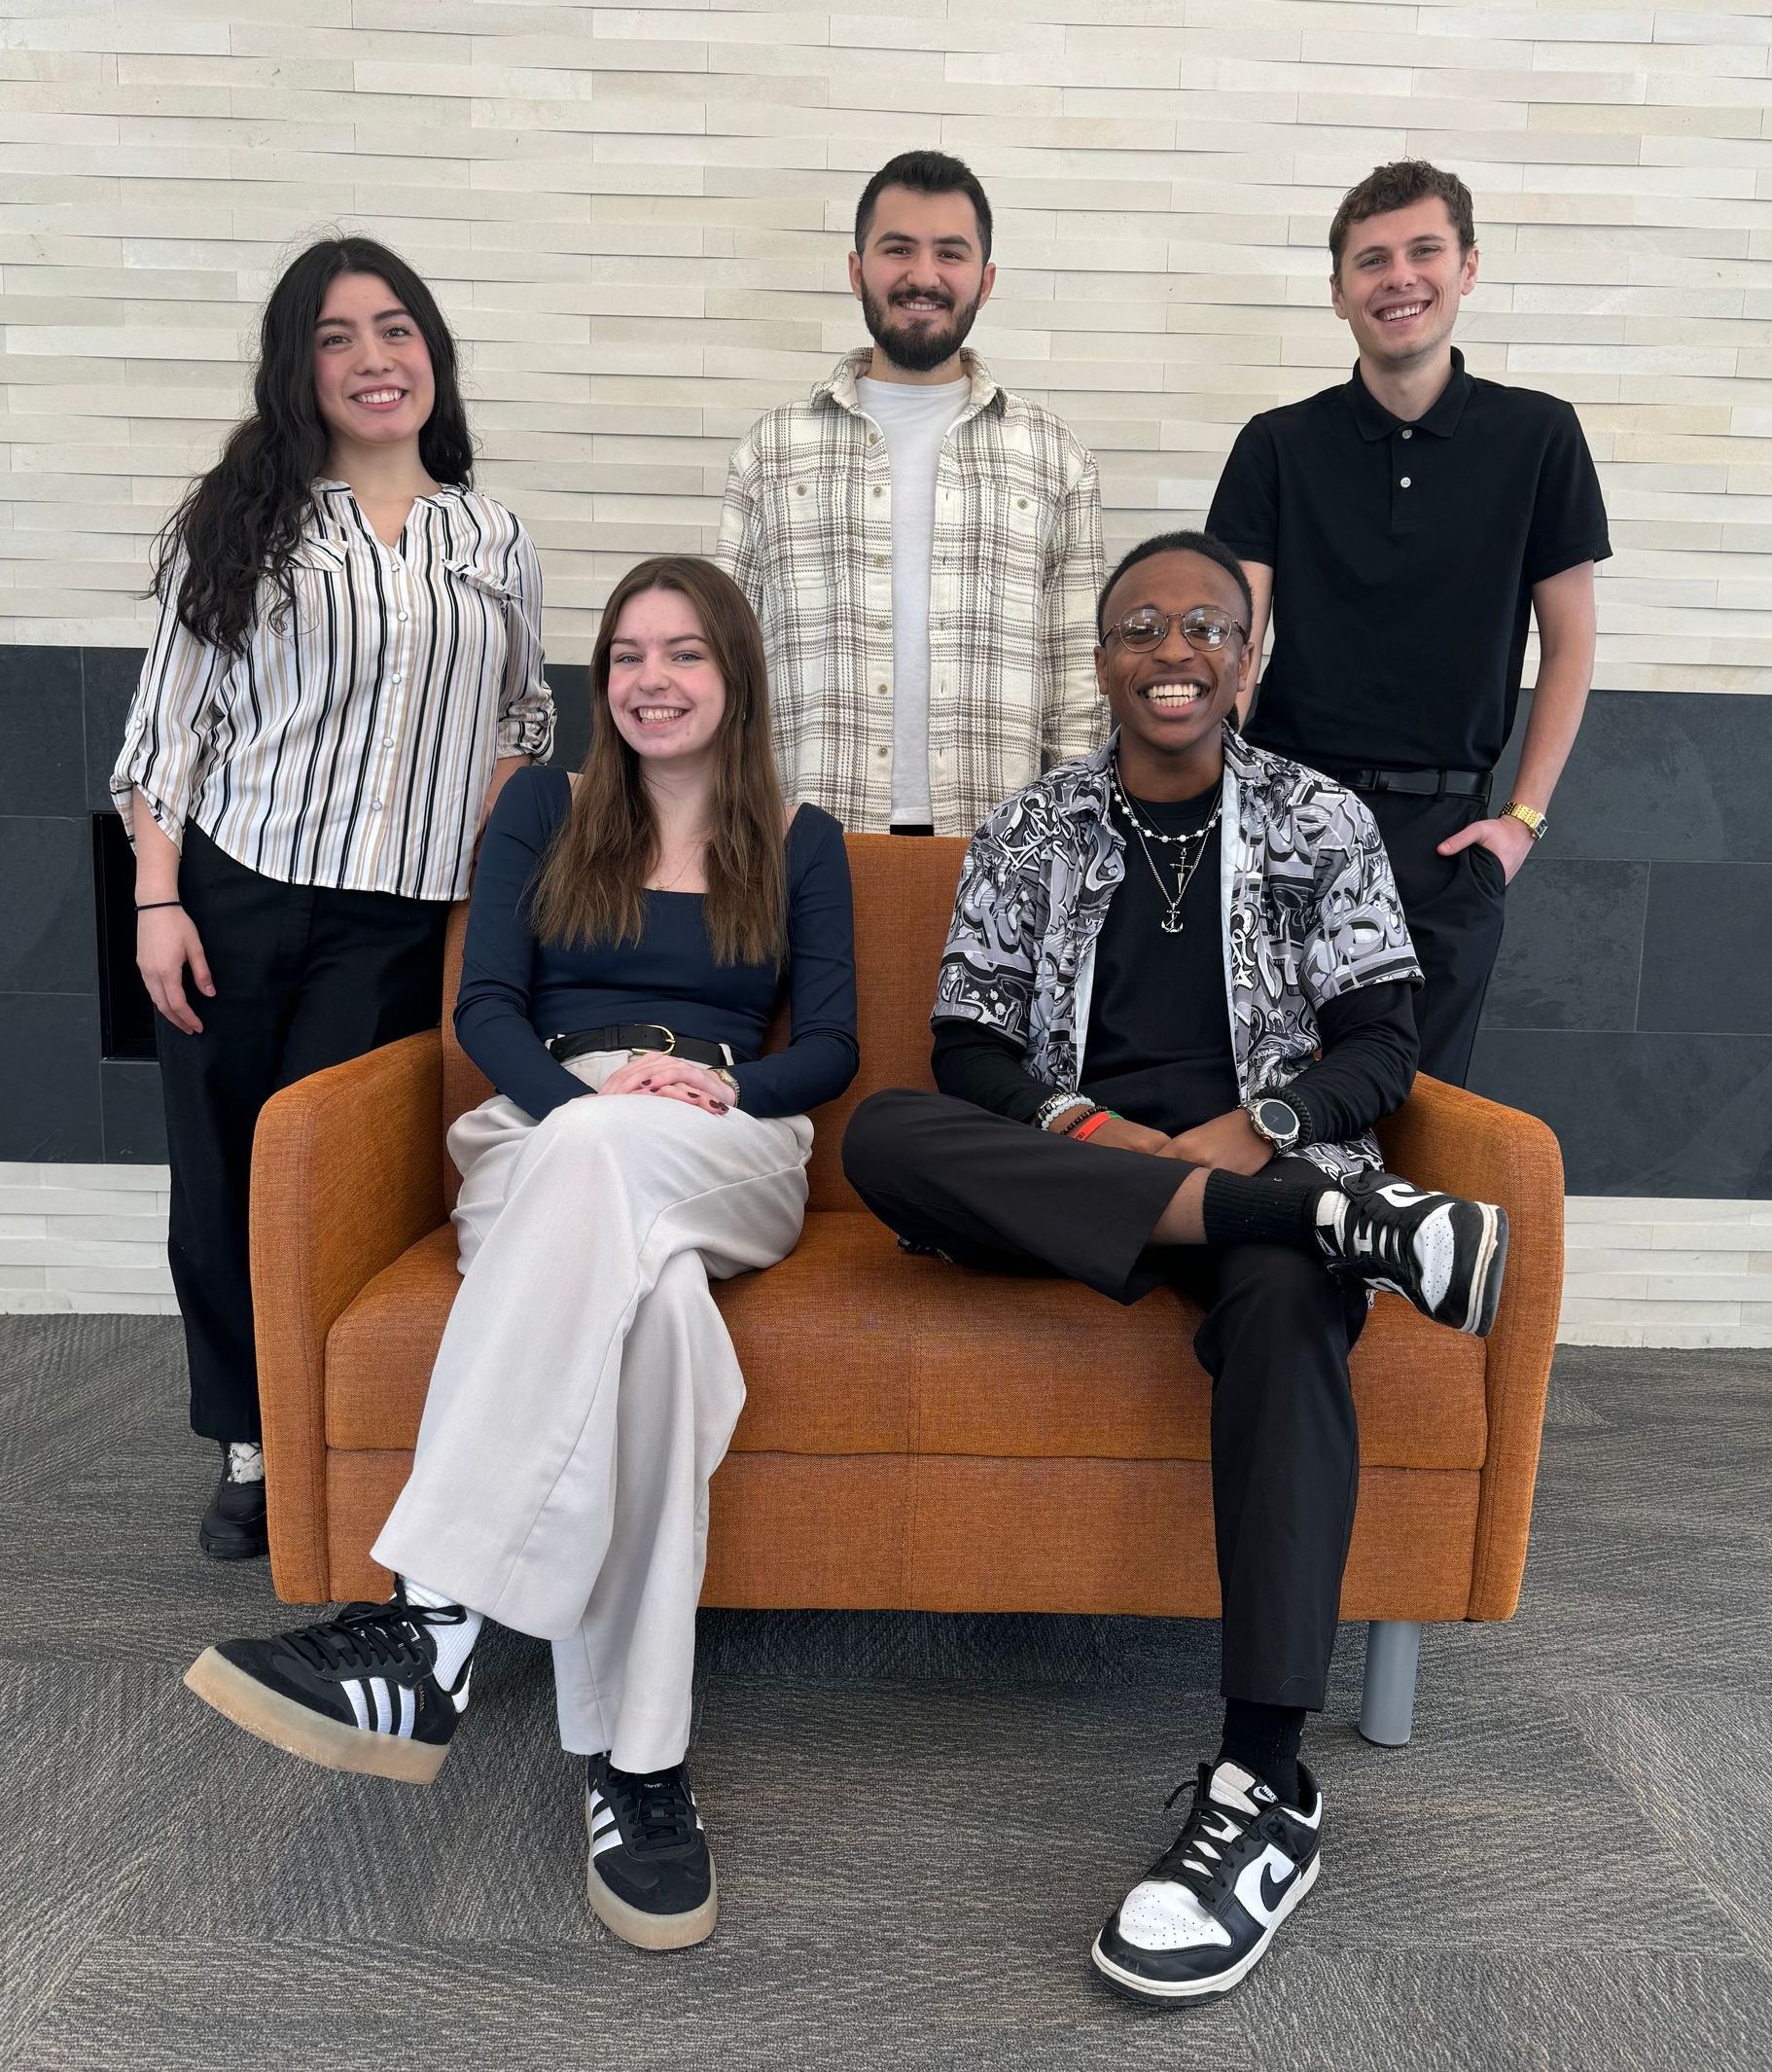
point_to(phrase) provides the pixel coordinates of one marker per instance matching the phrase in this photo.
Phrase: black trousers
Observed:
(989, 1193)
(1454, 906)
(304, 977)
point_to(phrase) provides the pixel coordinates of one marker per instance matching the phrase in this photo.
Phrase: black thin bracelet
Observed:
(154, 905)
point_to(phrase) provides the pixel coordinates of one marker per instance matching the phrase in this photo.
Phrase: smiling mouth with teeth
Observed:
(379, 395)
(1175, 696)
(1400, 313)
(656, 715)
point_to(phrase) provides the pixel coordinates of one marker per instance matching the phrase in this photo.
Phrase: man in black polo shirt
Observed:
(1404, 528)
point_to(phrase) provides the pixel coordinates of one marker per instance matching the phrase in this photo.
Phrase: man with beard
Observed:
(921, 547)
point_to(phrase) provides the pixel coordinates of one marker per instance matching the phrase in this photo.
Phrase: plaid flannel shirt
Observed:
(806, 533)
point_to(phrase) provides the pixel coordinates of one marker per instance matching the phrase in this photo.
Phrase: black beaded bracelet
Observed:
(154, 905)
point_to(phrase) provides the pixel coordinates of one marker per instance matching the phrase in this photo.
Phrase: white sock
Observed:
(453, 1642)
(245, 1461)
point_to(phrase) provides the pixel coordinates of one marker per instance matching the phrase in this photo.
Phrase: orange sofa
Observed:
(916, 1436)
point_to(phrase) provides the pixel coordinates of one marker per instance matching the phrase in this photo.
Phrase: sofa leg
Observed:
(1386, 1703)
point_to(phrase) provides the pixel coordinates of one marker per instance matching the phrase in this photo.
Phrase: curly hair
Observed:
(239, 523)
(1395, 186)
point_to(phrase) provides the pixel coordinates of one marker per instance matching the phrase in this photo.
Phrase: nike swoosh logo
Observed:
(1273, 1889)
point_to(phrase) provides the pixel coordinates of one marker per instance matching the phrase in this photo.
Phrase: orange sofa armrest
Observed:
(1445, 1137)
(347, 1173)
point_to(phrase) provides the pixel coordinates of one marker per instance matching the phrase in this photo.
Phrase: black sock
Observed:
(1278, 1205)
(1264, 1739)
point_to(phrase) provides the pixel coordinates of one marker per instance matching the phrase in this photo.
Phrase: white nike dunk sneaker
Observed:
(1201, 1920)
(1441, 1253)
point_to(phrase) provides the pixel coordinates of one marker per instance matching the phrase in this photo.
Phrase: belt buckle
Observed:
(669, 1035)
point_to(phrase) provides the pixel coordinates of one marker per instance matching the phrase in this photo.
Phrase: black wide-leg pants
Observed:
(989, 1193)
(1455, 906)
(305, 976)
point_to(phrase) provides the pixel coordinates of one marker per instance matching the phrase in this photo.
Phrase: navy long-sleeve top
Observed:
(516, 991)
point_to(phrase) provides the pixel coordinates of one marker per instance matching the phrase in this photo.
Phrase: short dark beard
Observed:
(922, 350)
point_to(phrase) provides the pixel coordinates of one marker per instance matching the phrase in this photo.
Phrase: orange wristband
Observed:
(1090, 1124)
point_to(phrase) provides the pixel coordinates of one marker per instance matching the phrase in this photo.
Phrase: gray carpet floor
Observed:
(919, 1821)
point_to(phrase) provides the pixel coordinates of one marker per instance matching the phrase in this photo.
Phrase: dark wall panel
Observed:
(1570, 957)
(1643, 1114)
(1707, 948)
(49, 1066)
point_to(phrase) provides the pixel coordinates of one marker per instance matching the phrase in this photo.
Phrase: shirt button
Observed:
(1408, 432)
(879, 560)
(399, 675)
(1021, 503)
(878, 491)
(397, 562)
(388, 741)
(374, 806)
(1405, 483)
(403, 619)
(874, 438)
(801, 490)
(879, 691)
(882, 750)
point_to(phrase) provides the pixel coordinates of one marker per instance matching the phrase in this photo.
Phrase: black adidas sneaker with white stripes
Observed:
(1443, 1254)
(650, 1878)
(359, 1692)
(1201, 1920)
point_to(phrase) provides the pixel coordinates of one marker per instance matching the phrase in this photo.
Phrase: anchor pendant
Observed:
(1172, 923)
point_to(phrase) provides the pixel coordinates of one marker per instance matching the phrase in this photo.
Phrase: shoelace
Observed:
(1198, 1856)
(377, 1637)
(655, 1813)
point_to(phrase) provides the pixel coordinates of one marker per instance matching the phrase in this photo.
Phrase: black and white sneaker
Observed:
(650, 1878)
(1201, 1920)
(233, 1526)
(1443, 1254)
(359, 1692)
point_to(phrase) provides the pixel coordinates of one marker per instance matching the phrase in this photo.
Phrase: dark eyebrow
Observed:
(381, 316)
(956, 237)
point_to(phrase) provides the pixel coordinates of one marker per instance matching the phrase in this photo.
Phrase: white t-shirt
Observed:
(916, 418)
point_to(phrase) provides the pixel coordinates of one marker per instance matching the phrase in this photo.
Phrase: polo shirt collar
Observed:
(1376, 422)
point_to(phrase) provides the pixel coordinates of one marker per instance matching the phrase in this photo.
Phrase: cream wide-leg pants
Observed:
(585, 1389)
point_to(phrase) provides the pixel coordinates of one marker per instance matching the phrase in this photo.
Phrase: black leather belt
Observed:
(640, 1036)
(1418, 783)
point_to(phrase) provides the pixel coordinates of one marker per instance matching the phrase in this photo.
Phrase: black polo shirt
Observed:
(1404, 559)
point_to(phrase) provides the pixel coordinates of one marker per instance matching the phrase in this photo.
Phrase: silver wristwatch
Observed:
(1274, 1120)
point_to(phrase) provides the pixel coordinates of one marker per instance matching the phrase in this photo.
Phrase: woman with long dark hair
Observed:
(347, 666)
(628, 944)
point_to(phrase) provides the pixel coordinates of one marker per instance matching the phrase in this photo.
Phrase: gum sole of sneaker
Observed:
(298, 1731)
(652, 1931)
(1154, 1992)
(1486, 1282)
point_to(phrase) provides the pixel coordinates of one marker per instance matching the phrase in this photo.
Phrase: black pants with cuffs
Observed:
(1455, 909)
(305, 976)
(986, 1191)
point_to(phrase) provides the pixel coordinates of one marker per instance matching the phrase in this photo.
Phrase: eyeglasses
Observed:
(1202, 627)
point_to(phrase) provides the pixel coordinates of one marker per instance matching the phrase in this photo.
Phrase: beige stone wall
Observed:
(637, 217)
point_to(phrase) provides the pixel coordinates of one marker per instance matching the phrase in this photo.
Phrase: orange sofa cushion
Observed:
(850, 1346)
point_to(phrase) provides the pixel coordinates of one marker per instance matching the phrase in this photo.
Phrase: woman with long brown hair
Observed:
(628, 940)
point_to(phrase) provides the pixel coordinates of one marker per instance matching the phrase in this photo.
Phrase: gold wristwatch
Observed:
(1528, 816)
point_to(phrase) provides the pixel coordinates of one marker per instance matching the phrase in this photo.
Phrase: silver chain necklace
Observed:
(1172, 923)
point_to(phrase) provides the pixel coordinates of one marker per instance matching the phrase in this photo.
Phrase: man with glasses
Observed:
(1407, 527)
(1175, 999)
(921, 547)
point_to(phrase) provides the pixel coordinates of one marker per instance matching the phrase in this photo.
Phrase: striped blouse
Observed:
(352, 744)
